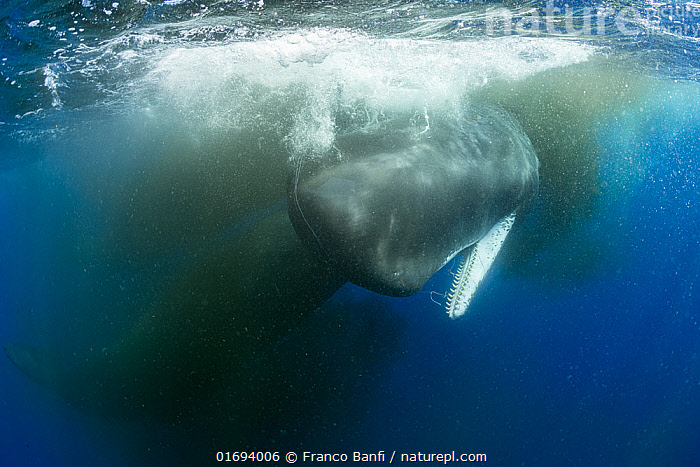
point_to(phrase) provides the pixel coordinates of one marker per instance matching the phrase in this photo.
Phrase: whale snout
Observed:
(388, 220)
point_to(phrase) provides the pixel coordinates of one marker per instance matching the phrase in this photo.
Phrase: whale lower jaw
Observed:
(473, 267)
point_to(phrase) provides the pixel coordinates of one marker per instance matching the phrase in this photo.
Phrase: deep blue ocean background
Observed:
(603, 370)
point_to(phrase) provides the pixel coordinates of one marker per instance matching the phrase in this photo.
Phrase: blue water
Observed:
(599, 370)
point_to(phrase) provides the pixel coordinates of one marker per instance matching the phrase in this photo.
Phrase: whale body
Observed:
(388, 216)
(390, 171)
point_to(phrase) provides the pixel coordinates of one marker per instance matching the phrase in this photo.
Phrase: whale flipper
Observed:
(473, 267)
(39, 365)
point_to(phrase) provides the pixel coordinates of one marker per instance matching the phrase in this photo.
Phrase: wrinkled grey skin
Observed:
(395, 208)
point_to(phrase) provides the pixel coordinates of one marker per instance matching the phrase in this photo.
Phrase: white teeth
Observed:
(473, 268)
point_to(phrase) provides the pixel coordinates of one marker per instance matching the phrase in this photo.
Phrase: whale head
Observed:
(388, 216)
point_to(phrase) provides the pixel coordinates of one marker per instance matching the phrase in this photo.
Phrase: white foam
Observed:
(52, 83)
(334, 49)
(385, 70)
(213, 83)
